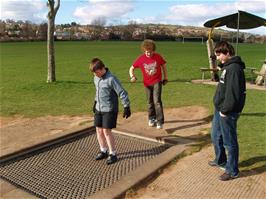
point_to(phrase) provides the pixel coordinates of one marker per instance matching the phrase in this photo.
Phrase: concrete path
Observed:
(191, 177)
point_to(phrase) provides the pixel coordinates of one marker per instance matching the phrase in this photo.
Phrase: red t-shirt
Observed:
(150, 68)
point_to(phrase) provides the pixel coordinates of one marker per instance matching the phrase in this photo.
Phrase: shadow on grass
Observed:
(74, 82)
(252, 161)
(139, 81)
(254, 114)
(254, 171)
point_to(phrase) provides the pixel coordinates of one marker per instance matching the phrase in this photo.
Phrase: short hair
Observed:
(96, 64)
(148, 44)
(224, 48)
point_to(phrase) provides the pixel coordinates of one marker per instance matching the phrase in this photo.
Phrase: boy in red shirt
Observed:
(152, 66)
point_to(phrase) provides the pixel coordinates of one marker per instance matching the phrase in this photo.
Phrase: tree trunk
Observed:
(50, 39)
(51, 52)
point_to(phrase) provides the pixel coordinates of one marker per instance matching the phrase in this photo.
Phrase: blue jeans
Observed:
(224, 138)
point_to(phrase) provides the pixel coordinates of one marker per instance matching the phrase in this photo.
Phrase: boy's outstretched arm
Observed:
(132, 75)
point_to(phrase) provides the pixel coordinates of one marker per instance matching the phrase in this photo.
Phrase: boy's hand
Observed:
(127, 112)
(133, 79)
(165, 81)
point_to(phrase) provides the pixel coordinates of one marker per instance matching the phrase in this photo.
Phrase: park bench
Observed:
(251, 71)
(259, 77)
(204, 70)
(263, 75)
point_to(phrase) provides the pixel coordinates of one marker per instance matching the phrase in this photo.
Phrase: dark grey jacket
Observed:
(108, 88)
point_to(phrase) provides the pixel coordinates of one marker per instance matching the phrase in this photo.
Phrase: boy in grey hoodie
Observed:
(105, 108)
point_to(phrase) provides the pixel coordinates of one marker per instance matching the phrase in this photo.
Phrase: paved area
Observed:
(191, 177)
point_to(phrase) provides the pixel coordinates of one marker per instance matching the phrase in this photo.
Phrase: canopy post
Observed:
(237, 34)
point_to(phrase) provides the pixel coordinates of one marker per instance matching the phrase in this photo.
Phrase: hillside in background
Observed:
(26, 31)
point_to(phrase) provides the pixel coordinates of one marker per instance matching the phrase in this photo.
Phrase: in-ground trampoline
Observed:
(65, 167)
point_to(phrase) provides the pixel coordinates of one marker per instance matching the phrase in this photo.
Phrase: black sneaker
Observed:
(226, 177)
(111, 159)
(101, 156)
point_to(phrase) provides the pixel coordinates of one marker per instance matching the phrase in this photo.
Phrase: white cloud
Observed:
(109, 10)
(256, 6)
(34, 11)
(197, 14)
(146, 20)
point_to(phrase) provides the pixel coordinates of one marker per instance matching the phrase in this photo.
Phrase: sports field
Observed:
(24, 90)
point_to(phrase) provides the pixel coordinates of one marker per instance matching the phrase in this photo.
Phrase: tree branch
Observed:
(50, 7)
(57, 6)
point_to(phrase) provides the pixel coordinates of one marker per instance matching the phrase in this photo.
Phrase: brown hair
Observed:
(148, 44)
(224, 48)
(96, 64)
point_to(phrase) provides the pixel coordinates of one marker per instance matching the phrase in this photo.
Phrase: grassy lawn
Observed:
(24, 90)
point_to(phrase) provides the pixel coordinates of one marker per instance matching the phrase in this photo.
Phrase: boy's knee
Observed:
(107, 132)
(230, 147)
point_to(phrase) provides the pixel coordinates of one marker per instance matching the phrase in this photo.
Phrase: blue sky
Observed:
(178, 12)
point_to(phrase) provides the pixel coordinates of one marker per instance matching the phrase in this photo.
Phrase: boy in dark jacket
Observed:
(229, 101)
(108, 89)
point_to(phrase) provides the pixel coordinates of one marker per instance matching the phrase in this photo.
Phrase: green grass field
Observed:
(24, 90)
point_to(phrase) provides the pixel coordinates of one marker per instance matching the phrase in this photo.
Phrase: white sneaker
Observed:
(152, 122)
(159, 126)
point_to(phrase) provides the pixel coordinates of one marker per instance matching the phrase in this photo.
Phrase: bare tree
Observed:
(2, 28)
(100, 21)
(98, 26)
(53, 8)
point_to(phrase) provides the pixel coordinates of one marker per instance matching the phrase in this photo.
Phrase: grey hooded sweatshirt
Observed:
(108, 88)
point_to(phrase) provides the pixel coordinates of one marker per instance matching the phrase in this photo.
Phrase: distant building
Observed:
(62, 35)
